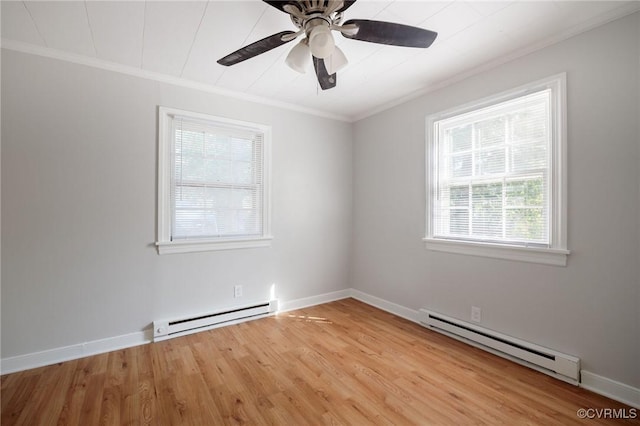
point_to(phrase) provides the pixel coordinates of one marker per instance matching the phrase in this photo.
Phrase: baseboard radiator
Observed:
(167, 329)
(562, 366)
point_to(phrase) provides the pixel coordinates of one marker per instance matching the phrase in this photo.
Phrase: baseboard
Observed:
(68, 353)
(393, 308)
(601, 385)
(305, 302)
(590, 381)
(95, 347)
(610, 388)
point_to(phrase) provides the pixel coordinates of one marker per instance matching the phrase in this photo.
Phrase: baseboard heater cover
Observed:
(562, 366)
(167, 329)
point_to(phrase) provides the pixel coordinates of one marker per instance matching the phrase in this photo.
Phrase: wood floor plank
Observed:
(341, 363)
(13, 403)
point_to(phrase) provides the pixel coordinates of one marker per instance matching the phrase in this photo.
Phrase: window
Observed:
(213, 183)
(496, 176)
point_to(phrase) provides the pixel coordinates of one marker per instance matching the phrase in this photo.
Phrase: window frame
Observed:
(164, 243)
(556, 253)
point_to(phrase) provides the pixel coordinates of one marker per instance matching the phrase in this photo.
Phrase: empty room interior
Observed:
(320, 212)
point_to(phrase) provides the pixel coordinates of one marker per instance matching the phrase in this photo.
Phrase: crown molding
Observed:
(162, 78)
(613, 15)
(618, 13)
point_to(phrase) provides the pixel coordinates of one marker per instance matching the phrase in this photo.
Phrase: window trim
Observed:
(557, 252)
(164, 243)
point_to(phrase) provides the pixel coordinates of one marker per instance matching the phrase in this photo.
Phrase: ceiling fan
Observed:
(315, 19)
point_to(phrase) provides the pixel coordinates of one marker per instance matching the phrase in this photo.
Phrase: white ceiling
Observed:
(183, 40)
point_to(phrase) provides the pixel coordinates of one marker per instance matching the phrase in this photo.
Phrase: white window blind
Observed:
(213, 183)
(217, 180)
(493, 173)
(496, 176)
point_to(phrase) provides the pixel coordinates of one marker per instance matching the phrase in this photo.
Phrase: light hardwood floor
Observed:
(339, 363)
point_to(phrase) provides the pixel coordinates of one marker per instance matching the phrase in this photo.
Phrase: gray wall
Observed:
(79, 208)
(589, 308)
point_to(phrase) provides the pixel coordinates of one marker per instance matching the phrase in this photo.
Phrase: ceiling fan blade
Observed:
(278, 4)
(347, 5)
(391, 33)
(254, 49)
(326, 80)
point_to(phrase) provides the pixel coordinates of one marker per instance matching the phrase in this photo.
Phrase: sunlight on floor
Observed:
(306, 318)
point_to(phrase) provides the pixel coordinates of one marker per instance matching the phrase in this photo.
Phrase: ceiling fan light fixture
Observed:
(298, 58)
(321, 41)
(336, 61)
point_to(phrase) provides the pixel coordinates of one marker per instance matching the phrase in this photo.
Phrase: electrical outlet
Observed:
(476, 314)
(237, 291)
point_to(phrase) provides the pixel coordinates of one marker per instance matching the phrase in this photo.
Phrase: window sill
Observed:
(557, 257)
(190, 246)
